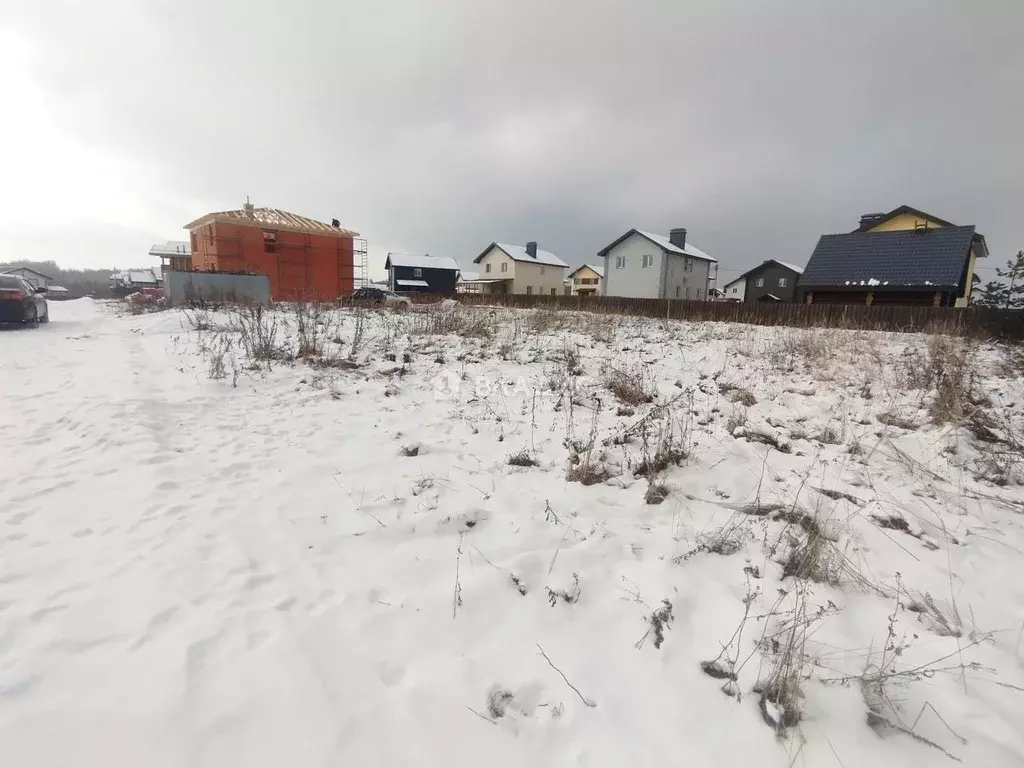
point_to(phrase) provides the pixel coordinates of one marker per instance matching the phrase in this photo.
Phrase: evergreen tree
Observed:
(1007, 292)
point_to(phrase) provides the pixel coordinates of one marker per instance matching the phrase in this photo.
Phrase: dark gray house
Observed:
(926, 265)
(770, 281)
(409, 272)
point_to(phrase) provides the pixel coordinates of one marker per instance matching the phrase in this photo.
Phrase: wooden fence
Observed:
(998, 323)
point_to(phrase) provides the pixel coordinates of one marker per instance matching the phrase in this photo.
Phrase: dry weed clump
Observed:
(895, 419)
(737, 394)
(258, 329)
(656, 493)
(547, 320)
(798, 345)
(632, 387)
(314, 325)
(949, 371)
(452, 319)
(522, 459)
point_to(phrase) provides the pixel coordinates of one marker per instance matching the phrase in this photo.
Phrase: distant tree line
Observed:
(79, 282)
(1007, 291)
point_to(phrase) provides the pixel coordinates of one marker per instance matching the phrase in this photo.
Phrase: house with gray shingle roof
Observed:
(524, 269)
(903, 257)
(646, 265)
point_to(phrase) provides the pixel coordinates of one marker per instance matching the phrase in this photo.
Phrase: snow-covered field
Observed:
(210, 560)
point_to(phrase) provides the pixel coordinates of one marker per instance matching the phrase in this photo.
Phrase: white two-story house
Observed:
(648, 266)
(519, 269)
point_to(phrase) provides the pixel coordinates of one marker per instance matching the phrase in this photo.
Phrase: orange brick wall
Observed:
(316, 267)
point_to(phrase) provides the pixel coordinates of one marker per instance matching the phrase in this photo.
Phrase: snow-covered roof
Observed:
(135, 277)
(413, 283)
(171, 248)
(596, 268)
(26, 270)
(270, 218)
(57, 289)
(794, 267)
(671, 247)
(518, 253)
(740, 279)
(423, 261)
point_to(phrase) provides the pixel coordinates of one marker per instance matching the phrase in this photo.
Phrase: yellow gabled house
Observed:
(905, 217)
(905, 256)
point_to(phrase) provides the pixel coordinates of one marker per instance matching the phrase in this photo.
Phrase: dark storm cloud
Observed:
(440, 126)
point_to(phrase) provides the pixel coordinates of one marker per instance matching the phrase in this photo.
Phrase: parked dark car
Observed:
(21, 302)
(370, 296)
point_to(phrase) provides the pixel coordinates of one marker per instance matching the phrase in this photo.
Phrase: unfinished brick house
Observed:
(304, 258)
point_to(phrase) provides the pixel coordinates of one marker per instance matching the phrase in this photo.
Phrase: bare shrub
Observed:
(358, 333)
(258, 329)
(632, 387)
(728, 539)
(309, 340)
(666, 442)
(585, 467)
(785, 646)
(144, 304)
(218, 355)
(199, 319)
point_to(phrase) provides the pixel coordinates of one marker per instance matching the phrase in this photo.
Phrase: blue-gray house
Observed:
(410, 272)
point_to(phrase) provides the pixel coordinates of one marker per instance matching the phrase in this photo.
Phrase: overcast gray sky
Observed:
(438, 126)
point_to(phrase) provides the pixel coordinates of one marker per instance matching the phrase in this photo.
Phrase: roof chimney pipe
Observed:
(335, 223)
(248, 207)
(677, 237)
(868, 220)
(531, 249)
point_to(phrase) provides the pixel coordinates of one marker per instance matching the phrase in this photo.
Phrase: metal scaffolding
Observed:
(361, 262)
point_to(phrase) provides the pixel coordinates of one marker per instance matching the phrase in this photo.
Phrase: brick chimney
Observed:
(248, 207)
(531, 249)
(678, 237)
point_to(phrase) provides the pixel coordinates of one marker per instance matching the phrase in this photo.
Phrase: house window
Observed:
(192, 239)
(552, 291)
(576, 281)
(760, 282)
(269, 242)
(698, 293)
(677, 291)
(687, 291)
(487, 268)
(687, 265)
(529, 290)
(734, 290)
(504, 266)
(620, 262)
(782, 282)
(417, 272)
(646, 260)
(542, 270)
